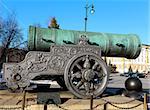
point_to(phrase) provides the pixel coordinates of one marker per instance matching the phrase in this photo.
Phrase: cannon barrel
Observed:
(112, 45)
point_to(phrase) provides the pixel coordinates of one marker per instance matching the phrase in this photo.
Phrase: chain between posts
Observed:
(120, 102)
(107, 102)
(125, 107)
(112, 103)
(14, 108)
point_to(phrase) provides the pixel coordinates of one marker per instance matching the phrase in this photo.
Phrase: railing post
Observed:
(23, 100)
(145, 101)
(91, 103)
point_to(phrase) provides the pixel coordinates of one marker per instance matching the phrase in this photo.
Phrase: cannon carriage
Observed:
(74, 55)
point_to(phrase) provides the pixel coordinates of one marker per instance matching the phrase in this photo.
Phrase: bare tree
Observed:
(10, 35)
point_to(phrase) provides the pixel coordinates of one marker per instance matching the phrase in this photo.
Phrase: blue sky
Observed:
(111, 16)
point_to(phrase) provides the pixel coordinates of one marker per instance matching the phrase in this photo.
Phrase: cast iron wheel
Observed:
(85, 75)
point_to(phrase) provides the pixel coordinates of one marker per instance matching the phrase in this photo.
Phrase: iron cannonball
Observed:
(133, 84)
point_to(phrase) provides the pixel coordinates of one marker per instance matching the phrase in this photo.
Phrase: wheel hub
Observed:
(88, 75)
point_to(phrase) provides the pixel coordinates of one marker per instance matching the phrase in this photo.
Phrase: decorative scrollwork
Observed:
(56, 62)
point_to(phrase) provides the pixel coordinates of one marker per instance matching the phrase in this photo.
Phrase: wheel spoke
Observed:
(76, 75)
(80, 83)
(99, 68)
(87, 87)
(95, 65)
(96, 86)
(78, 66)
(86, 64)
(99, 74)
(92, 86)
